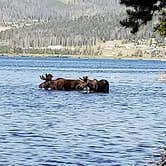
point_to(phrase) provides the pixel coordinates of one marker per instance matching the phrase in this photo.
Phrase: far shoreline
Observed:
(82, 57)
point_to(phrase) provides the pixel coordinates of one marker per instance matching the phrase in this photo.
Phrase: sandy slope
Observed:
(3, 28)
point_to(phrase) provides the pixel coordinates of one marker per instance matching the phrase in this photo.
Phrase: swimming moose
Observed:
(89, 86)
(96, 85)
(61, 83)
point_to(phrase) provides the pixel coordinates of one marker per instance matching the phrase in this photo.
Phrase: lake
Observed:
(125, 127)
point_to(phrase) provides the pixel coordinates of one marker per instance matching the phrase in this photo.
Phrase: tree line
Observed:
(82, 23)
(85, 30)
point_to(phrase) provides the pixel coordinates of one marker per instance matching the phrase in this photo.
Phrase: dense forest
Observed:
(46, 10)
(68, 23)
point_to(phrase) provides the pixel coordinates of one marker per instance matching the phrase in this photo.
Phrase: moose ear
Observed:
(85, 77)
(51, 75)
(81, 78)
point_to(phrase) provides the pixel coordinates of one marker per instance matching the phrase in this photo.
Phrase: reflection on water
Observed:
(125, 127)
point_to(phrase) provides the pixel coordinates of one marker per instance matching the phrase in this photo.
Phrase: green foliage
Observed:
(18, 50)
(140, 12)
(161, 27)
(82, 31)
(139, 53)
(4, 49)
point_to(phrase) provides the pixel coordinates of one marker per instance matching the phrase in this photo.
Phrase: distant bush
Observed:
(139, 53)
(5, 49)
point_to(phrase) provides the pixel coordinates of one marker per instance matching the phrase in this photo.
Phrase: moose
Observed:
(61, 83)
(85, 84)
(95, 85)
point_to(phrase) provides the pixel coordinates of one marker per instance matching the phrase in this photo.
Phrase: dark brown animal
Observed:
(57, 84)
(47, 77)
(61, 84)
(97, 86)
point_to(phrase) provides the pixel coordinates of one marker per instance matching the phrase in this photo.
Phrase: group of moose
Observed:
(82, 84)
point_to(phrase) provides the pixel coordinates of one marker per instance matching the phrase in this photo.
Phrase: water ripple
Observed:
(124, 127)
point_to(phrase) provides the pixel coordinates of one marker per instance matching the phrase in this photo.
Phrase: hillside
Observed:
(26, 10)
(29, 24)
(85, 30)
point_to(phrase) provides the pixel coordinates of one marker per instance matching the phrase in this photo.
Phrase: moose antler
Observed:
(42, 77)
(85, 78)
(47, 77)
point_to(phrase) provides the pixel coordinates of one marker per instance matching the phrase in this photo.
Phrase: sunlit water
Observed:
(125, 127)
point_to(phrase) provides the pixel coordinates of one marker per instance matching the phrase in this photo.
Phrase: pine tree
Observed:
(139, 12)
(161, 27)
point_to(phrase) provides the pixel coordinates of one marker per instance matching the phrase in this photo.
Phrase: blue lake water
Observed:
(125, 127)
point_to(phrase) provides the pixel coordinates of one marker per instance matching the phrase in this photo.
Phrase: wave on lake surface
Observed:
(124, 127)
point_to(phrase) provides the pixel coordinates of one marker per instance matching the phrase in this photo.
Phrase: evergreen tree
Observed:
(139, 12)
(161, 27)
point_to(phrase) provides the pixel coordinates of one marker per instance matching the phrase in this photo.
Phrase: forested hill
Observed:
(25, 10)
(63, 22)
(85, 30)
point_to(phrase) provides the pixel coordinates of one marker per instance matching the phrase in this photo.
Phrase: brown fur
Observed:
(97, 86)
(62, 84)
